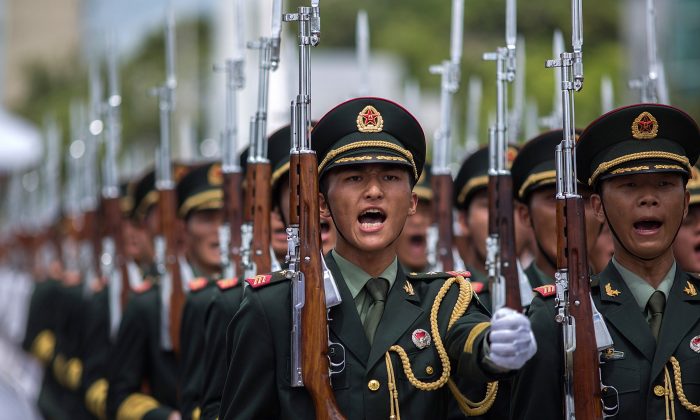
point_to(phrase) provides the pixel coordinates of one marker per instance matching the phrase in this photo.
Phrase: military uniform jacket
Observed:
(202, 291)
(96, 353)
(217, 319)
(142, 376)
(40, 341)
(636, 365)
(258, 379)
(535, 277)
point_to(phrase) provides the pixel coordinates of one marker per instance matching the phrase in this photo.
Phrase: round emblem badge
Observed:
(421, 338)
(695, 344)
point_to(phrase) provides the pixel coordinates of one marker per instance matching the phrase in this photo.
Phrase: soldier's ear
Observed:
(462, 220)
(414, 204)
(597, 206)
(687, 203)
(523, 213)
(323, 206)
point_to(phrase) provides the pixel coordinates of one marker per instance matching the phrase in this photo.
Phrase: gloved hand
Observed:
(511, 342)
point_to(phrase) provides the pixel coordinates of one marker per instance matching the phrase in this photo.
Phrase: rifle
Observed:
(473, 107)
(113, 258)
(362, 50)
(166, 240)
(652, 86)
(554, 121)
(310, 292)
(501, 262)
(607, 94)
(582, 385)
(441, 175)
(258, 171)
(230, 230)
(90, 242)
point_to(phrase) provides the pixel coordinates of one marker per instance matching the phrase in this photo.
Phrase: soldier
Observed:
(139, 355)
(104, 309)
(534, 188)
(471, 200)
(223, 306)
(371, 153)
(637, 160)
(200, 202)
(686, 247)
(412, 247)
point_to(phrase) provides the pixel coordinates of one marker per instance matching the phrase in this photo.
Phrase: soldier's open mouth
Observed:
(371, 218)
(325, 227)
(647, 226)
(417, 240)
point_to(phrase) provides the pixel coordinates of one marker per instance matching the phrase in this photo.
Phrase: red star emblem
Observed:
(369, 117)
(646, 124)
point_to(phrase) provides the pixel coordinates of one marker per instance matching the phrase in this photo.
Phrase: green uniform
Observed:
(636, 365)
(259, 374)
(537, 277)
(217, 319)
(70, 337)
(202, 292)
(40, 341)
(142, 375)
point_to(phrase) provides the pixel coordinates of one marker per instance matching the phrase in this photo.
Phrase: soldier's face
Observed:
(138, 245)
(475, 224)
(369, 205)
(686, 247)
(412, 244)
(541, 214)
(279, 234)
(644, 210)
(202, 239)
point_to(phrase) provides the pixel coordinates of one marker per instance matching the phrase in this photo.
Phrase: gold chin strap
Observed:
(679, 388)
(467, 406)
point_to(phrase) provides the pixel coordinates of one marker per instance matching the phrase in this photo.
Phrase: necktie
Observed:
(377, 289)
(655, 306)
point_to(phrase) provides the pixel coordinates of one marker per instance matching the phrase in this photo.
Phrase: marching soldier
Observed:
(637, 160)
(686, 247)
(472, 202)
(224, 305)
(142, 375)
(534, 187)
(104, 310)
(200, 202)
(371, 153)
(412, 249)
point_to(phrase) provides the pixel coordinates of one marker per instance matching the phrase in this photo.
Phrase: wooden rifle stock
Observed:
(314, 329)
(442, 203)
(91, 234)
(500, 193)
(166, 206)
(233, 215)
(260, 247)
(113, 229)
(571, 237)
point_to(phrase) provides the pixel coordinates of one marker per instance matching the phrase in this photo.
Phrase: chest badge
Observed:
(695, 344)
(408, 288)
(421, 338)
(610, 291)
(690, 289)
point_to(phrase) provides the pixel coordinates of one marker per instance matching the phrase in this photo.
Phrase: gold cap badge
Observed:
(645, 126)
(369, 120)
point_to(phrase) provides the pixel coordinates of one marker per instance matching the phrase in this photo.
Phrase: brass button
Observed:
(429, 370)
(659, 391)
(373, 385)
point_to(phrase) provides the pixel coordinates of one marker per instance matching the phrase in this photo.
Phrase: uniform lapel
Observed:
(400, 313)
(344, 320)
(680, 315)
(620, 309)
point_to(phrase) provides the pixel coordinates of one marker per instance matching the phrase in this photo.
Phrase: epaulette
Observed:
(546, 290)
(143, 287)
(433, 275)
(266, 279)
(478, 287)
(225, 284)
(198, 284)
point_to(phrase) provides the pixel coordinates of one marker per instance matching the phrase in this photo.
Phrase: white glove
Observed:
(511, 342)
